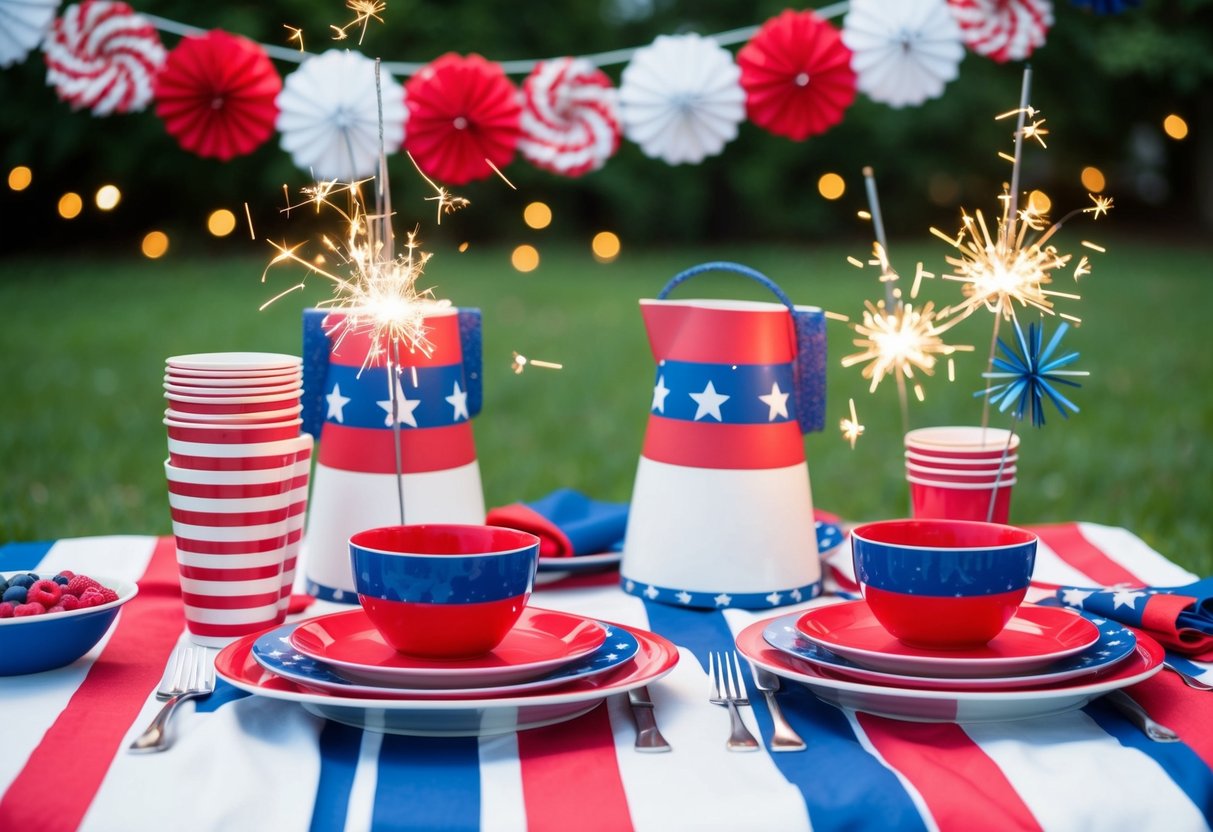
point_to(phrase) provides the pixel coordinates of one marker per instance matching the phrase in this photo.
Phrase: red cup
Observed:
(234, 361)
(232, 434)
(236, 404)
(233, 386)
(962, 442)
(932, 499)
(959, 463)
(233, 392)
(239, 457)
(257, 417)
(203, 375)
(972, 477)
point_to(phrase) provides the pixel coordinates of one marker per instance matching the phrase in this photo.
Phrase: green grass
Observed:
(83, 347)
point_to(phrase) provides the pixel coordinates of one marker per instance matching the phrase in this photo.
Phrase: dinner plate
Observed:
(1115, 643)
(541, 640)
(464, 717)
(1033, 639)
(273, 651)
(949, 705)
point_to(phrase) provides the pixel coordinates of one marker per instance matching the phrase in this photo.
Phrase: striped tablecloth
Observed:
(244, 762)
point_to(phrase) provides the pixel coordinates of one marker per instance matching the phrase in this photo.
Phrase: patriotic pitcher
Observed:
(722, 512)
(348, 408)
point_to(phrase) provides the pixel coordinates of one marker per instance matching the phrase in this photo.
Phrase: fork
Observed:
(784, 737)
(728, 689)
(189, 675)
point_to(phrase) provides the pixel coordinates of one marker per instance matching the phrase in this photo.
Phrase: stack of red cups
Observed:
(237, 472)
(955, 473)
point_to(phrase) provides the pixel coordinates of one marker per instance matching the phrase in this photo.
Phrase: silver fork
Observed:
(189, 675)
(728, 689)
(785, 737)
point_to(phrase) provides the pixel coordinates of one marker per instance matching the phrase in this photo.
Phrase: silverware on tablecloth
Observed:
(1190, 681)
(648, 737)
(189, 675)
(785, 737)
(1129, 707)
(728, 689)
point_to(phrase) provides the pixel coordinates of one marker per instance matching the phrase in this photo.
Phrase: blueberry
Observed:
(26, 580)
(15, 594)
(62, 580)
(3, 585)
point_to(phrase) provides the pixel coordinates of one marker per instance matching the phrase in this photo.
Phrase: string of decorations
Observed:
(681, 99)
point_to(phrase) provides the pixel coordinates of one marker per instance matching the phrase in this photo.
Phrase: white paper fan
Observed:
(904, 52)
(681, 99)
(23, 24)
(328, 116)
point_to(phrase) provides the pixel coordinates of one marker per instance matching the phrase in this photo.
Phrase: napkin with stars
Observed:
(1180, 618)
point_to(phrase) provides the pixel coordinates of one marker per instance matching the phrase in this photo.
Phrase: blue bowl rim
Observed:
(126, 591)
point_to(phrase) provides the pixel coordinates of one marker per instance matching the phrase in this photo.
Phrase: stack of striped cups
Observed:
(237, 472)
(955, 472)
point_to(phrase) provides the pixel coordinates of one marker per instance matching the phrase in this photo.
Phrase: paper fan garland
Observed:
(23, 24)
(328, 115)
(905, 52)
(103, 56)
(1106, 6)
(681, 99)
(216, 95)
(463, 114)
(1003, 30)
(797, 75)
(570, 117)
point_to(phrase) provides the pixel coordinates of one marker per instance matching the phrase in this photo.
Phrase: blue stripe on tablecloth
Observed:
(428, 783)
(26, 556)
(1187, 666)
(843, 786)
(339, 747)
(1180, 762)
(224, 693)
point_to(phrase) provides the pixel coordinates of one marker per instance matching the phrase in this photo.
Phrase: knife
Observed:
(648, 737)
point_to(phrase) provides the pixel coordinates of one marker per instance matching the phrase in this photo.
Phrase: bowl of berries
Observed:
(48, 621)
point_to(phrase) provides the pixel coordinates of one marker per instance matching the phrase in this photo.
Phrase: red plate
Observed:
(1034, 638)
(542, 639)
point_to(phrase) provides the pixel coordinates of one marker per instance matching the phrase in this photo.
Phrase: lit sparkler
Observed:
(851, 429)
(521, 362)
(899, 342)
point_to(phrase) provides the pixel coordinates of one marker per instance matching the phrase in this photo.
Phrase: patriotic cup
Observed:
(225, 392)
(956, 443)
(285, 414)
(964, 476)
(936, 500)
(238, 457)
(943, 584)
(443, 591)
(236, 433)
(240, 362)
(238, 530)
(959, 464)
(232, 405)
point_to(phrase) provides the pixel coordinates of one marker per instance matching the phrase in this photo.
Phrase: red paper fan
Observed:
(797, 75)
(216, 95)
(462, 111)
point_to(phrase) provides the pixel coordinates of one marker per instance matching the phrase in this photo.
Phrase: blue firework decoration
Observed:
(1106, 6)
(1027, 376)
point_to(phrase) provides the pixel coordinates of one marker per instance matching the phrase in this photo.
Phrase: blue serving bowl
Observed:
(35, 643)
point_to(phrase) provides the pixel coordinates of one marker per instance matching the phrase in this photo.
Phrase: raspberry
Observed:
(28, 609)
(79, 583)
(6, 610)
(68, 602)
(15, 594)
(91, 597)
(44, 592)
(66, 573)
(56, 608)
(108, 594)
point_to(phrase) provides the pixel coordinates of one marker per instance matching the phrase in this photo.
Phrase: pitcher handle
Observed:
(810, 328)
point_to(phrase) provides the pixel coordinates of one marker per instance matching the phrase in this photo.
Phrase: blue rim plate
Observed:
(1114, 645)
(273, 651)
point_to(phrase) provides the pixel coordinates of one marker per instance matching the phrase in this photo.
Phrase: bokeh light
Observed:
(20, 177)
(1040, 202)
(154, 245)
(831, 186)
(1175, 127)
(605, 246)
(107, 197)
(70, 205)
(537, 215)
(525, 258)
(1093, 179)
(221, 222)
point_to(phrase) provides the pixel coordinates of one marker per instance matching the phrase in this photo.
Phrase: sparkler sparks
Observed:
(851, 429)
(364, 12)
(521, 362)
(296, 34)
(448, 203)
(899, 342)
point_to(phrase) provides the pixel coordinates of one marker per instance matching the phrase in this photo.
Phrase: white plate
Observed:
(947, 705)
(455, 717)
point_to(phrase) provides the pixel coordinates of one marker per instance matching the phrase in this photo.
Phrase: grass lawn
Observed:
(84, 345)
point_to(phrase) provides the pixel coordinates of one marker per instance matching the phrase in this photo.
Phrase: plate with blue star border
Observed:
(1114, 645)
(274, 652)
